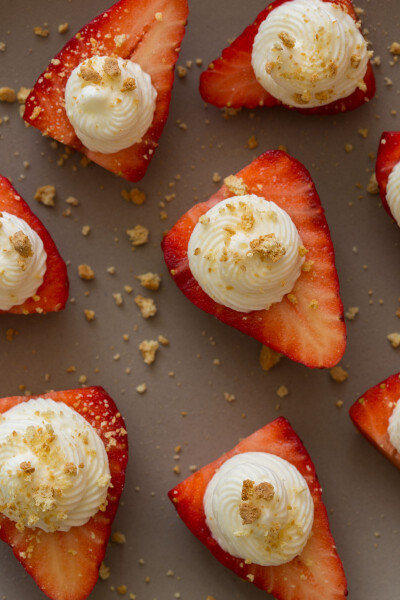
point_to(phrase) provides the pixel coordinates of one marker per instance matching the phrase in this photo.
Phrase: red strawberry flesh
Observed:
(65, 564)
(315, 337)
(317, 573)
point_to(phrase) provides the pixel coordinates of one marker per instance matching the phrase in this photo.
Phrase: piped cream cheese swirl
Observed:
(110, 103)
(22, 261)
(309, 53)
(54, 471)
(259, 508)
(393, 193)
(394, 427)
(245, 253)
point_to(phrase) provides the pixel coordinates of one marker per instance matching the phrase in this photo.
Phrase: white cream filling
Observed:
(394, 427)
(309, 53)
(393, 193)
(110, 103)
(267, 524)
(245, 253)
(54, 471)
(22, 261)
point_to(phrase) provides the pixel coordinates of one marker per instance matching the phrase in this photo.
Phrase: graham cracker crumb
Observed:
(138, 236)
(372, 187)
(216, 177)
(21, 244)
(141, 388)
(89, 314)
(229, 397)
(348, 148)
(41, 32)
(264, 491)
(46, 194)
(147, 306)
(7, 94)
(129, 85)
(72, 201)
(111, 67)
(286, 39)
(395, 48)
(269, 358)
(35, 113)
(247, 489)
(182, 71)
(236, 185)
(352, 313)
(150, 281)
(339, 403)
(163, 340)
(85, 272)
(63, 27)
(252, 142)
(89, 74)
(22, 94)
(122, 589)
(249, 513)
(267, 246)
(282, 391)
(339, 374)
(2, 47)
(118, 538)
(394, 339)
(118, 299)
(85, 230)
(104, 572)
(177, 469)
(149, 348)
(159, 16)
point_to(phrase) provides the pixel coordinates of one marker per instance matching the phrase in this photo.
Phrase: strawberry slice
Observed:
(387, 159)
(314, 337)
(230, 80)
(65, 564)
(318, 572)
(371, 414)
(149, 32)
(53, 292)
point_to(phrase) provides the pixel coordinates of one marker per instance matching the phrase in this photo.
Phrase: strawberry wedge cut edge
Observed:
(65, 564)
(317, 572)
(310, 330)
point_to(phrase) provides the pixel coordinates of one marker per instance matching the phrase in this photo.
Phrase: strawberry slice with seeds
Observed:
(230, 80)
(53, 293)
(307, 325)
(65, 565)
(317, 572)
(388, 157)
(371, 414)
(148, 32)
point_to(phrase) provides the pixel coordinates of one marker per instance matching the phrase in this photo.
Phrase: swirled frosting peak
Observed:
(110, 103)
(54, 471)
(259, 508)
(393, 192)
(246, 253)
(22, 261)
(309, 53)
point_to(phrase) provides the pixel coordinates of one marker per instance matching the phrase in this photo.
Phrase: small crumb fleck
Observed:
(216, 177)
(229, 397)
(118, 538)
(339, 374)
(85, 272)
(104, 572)
(141, 388)
(352, 312)
(150, 281)
(252, 142)
(89, 314)
(147, 306)
(269, 358)
(339, 403)
(182, 71)
(46, 194)
(118, 298)
(149, 348)
(348, 148)
(282, 391)
(63, 27)
(163, 340)
(41, 32)
(85, 230)
(372, 187)
(394, 339)
(138, 236)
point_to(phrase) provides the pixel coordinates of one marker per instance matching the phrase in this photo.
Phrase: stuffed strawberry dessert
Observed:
(62, 470)
(304, 54)
(107, 93)
(258, 255)
(377, 415)
(33, 276)
(388, 172)
(259, 510)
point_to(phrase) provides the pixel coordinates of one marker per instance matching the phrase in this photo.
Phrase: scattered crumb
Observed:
(177, 469)
(46, 195)
(216, 177)
(150, 281)
(122, 589)
(252, 142)
(147, 306)
(149, 348)
(229, 397)
(134, 195)
(182, 71)
(348, 147)
(111, 270)
(159, 16)
(282, 391)
(85, 230)
(72, 201)
(269, 358)
(7, 94)
(89, 314)
(236, 185)
(163, 340)
(2, 46)
(338, 374)
(85, 272)
(39, 31)
(104, 572)
(394, 339)
(22, 94)
(138, 236)
(372, 187)
(142, 388)
(118, 538)
(118, 299)
(395, 48)
(352, 313)
(63, 27)
(363, 132)
(339, 403)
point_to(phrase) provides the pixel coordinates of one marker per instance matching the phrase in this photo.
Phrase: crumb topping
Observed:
(89, 74)
(267, 246)
(21, 244)
(236, 185)
(111, 67)
(128, 85)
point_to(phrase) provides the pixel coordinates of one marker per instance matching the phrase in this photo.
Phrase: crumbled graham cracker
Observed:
(149, 348)
(134, 195)
(216, 177)
(122, 589)
(118, 299)
(249, 513)
(147, 306)
(7, 94)
(395, 48)
(338, 374)
(22, 94)
(150, 281)
(247, 489)
(269, 358)
(141, 388)
(89, 74)
(21, 244)
(63, 27)
(118, 538)
(264, 490)
(138, 236)
(85, 230)
(46, 194)
(267, 246)
(229, 397)
(282, 391)
(89, 314)
(252, 142)
(236, 185)
(182, 71)
(373, 187)
(163, 340)
(41, 32)
(352, 312)
(111, 67)
(394, 339)
(85, 272)
(286, 39)
(128, 85)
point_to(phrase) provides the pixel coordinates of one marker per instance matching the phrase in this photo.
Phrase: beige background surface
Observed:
(361, 489)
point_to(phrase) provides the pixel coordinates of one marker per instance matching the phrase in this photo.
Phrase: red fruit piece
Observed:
(387, 159)
(65, 565)
(315, 337)
(318, 572)
(53, 292)
(371, 414)
(230, 80)
(129, 29)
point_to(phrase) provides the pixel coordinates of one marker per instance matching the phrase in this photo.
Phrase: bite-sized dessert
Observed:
(258, 255)
(377, 416)
(33, 276)
(304, 54)
(107, 93)
(259, 510)
(388, 172)
(63, 458)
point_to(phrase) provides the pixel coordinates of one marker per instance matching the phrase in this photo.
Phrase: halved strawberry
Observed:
(371, 414)
(149, 32)
(65, 565)
(387, 159)
(318, 572)
(315, 337)
(53, 292)
(230, 80)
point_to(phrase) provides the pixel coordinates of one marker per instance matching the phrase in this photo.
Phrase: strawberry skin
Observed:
(153, 44)
(316, 338)
(318, 572)
(230, 80)
(387, 159)
(371, 414)
(65, 564)
(53, 292)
